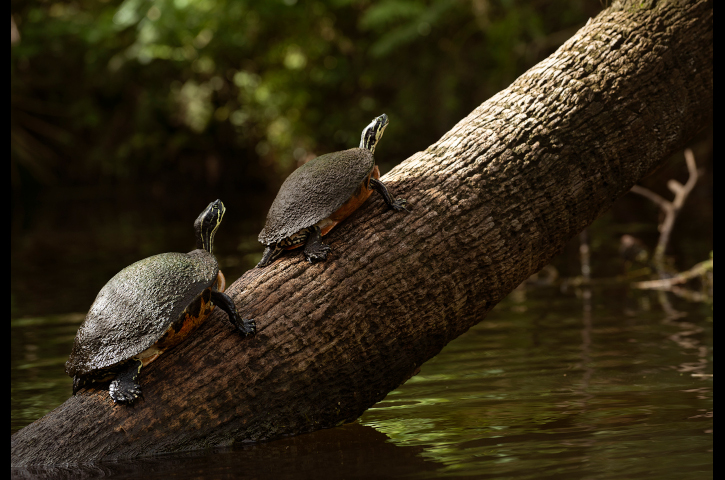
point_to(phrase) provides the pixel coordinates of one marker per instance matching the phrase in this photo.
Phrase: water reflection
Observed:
(605, 384)
(562, 388)
(350, 451)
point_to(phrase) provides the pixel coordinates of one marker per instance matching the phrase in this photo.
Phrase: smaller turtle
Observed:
(149, 307)
(322, 193)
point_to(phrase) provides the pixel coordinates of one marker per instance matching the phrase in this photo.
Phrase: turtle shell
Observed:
(137, 307)
(314, 191)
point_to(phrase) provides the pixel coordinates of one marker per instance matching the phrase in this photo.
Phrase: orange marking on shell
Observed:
(188, 323)
(358, 198)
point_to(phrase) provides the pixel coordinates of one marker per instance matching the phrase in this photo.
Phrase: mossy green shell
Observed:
(134, 309)
(314, 191)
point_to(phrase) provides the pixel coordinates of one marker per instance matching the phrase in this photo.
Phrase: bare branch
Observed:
(647, 193)
(698, 270)
(692, 169)
(670, 208)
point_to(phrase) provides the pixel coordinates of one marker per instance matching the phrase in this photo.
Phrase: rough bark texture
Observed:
(492, 202)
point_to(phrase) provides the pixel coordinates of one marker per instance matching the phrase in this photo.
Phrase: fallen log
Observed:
(491, 202)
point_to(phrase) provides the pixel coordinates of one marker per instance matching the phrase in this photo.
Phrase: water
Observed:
(545, 388)
(602, 383)
(613, 383)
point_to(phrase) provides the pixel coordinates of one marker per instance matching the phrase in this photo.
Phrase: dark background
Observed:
(127, 118)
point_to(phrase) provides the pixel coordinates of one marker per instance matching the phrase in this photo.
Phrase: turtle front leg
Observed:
(222, 300)
(398, 204)
(315, 250)
(123, 388)
(270, 253)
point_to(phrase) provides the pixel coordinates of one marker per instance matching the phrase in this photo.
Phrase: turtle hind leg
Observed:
(270, 254)
(123, 388)
(222, 300)
(397, 204)
(78, 383)
(315, 250)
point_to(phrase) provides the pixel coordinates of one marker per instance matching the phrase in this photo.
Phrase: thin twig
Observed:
(670, 208)
(666, 283)
(661, 202)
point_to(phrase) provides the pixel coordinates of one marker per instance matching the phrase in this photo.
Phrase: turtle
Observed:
(149, 307)
(322, 193)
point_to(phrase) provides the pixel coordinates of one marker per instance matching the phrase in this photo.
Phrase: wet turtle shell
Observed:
(141, 304)
(316, 190)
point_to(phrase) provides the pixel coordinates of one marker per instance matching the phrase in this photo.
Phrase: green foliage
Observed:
(149, 89)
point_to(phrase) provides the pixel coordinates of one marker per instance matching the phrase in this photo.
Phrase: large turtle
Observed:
(149, 307)
(322, 193)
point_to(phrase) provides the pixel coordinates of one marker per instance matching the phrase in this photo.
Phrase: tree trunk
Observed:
(491, 203)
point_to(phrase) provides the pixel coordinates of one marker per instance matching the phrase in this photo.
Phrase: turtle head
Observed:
(207, 223)
(373, 132)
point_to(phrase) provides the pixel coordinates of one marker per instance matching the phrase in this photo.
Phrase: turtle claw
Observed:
(123, 388)
(249, 327)
(318, 253)
(223, 301)
(122, 392)
(399, 205)
(315, 250)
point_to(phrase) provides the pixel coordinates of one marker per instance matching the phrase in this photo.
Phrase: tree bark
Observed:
(492, 202)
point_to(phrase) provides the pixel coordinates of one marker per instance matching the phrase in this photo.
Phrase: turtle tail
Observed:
(270, 253)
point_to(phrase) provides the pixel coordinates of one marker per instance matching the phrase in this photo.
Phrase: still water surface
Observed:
(609, 383)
